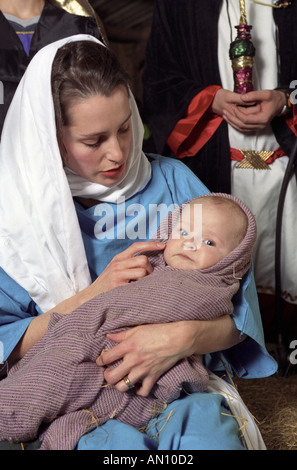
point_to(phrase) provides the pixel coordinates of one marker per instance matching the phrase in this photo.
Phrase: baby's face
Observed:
(200, 240)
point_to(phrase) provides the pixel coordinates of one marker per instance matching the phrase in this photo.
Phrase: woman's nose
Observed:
(115, 152)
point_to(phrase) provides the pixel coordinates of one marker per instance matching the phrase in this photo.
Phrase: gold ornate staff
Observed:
(242, 12)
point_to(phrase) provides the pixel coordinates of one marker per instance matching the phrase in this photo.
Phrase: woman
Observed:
(59, 254)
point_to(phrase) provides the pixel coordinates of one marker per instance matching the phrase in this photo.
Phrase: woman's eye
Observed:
(96, 143)
(208, 242)
(125, 129)
(93, 145)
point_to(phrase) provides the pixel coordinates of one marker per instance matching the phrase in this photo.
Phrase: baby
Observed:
(57, 388)
(202, 238)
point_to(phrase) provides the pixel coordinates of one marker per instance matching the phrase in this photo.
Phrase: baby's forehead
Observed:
(226, 207)
(215, 202)
(197, 205)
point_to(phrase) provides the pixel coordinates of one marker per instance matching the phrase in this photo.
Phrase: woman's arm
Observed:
(126, 266)
(38, 326)
(150, 350)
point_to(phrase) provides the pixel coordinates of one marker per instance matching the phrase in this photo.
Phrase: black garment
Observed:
(181, 60)
(54, 24)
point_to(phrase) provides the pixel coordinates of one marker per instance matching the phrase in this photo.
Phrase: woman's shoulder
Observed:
(163, 162)
(175, 172)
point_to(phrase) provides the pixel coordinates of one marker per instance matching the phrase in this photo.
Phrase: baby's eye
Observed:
(183, 232)
(208, 242)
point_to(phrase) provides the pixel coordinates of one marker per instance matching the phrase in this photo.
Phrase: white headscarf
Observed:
(41, 245)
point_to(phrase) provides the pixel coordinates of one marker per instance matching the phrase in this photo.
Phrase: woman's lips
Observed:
(113, 171)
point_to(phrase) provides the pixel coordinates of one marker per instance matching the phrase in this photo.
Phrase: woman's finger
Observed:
(139, 247)
(144, 388)
(109, 356)
(140, 261)
(123, 269)
(126, 383)
(141, 388)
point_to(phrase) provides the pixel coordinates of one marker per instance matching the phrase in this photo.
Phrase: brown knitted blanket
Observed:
(59, 393)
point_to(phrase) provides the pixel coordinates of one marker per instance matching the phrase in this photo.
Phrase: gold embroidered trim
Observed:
(254, 159)
(25, 32)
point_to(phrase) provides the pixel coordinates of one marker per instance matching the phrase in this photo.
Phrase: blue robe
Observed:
(171, 183)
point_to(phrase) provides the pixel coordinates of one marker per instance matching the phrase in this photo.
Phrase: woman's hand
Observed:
(257, 109)
(148, 351)
(124, 267)
(129, 265)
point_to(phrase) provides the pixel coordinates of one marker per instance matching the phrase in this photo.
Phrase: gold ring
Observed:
(128, 382)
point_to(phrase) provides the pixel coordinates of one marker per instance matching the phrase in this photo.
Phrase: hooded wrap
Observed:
(57, 390)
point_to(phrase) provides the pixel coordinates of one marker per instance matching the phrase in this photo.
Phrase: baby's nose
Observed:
(189, 244)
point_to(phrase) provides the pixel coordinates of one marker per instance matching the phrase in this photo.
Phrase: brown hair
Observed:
(82, 69)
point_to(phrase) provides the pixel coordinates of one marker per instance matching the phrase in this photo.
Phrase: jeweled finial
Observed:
(241, 53)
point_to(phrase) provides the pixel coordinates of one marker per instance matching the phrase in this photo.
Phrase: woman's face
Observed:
(99, 137)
